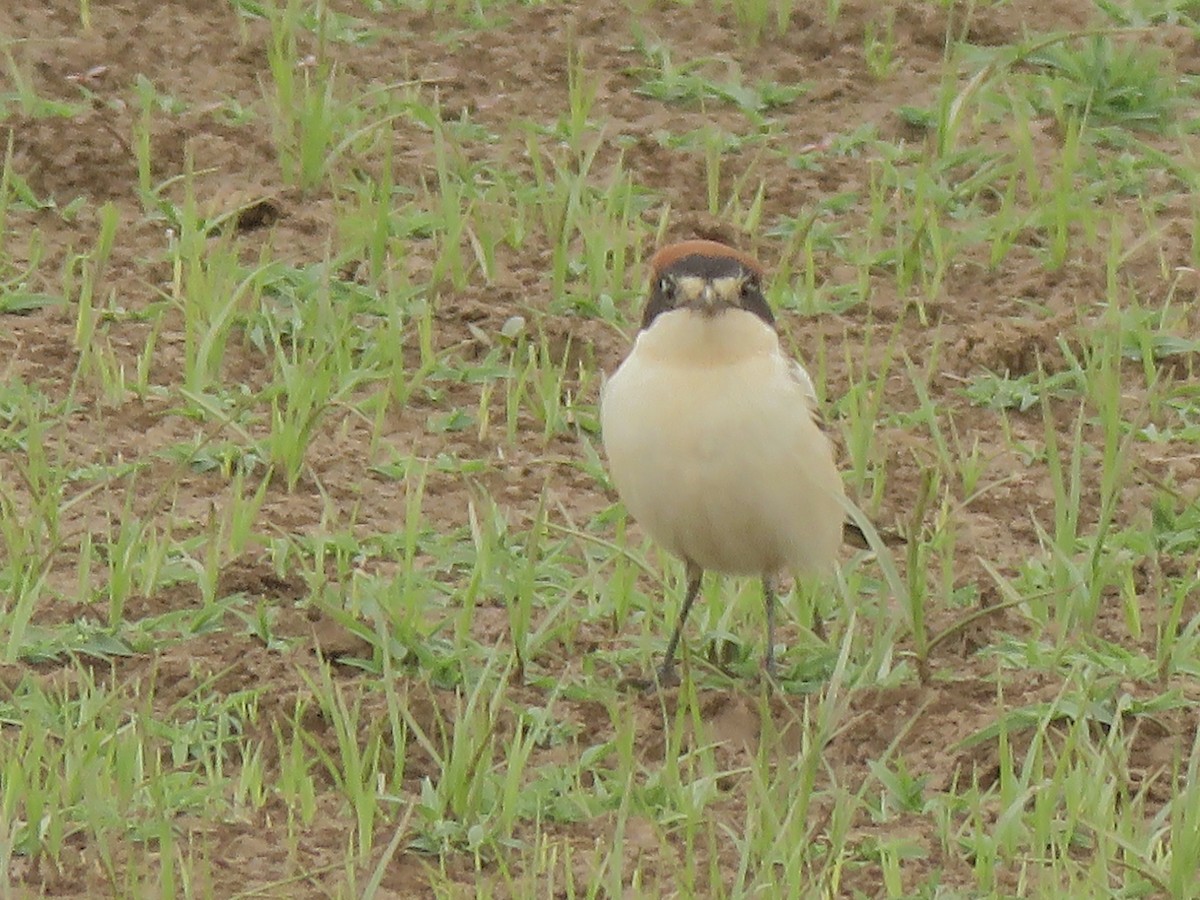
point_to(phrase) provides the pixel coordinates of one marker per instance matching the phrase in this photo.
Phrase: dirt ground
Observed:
(204, 54)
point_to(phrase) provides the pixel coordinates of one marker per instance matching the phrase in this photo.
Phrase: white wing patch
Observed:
(800, 376)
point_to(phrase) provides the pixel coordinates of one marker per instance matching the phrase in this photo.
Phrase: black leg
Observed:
(666, 674)
(818, 621)
(768, 588)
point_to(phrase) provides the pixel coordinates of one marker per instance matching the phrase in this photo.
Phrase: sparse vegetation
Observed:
(312, 582)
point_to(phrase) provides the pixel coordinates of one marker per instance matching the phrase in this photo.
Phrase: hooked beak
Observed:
(707, 301)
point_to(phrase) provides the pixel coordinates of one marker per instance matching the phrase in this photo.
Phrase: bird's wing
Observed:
(800, 376)
(851, 533)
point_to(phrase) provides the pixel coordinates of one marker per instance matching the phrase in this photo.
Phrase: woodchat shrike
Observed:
(712, 433)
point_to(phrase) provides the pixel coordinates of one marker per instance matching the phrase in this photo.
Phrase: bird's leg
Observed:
(818, 618)
(818, 625)
(768, 587)
(666, 673)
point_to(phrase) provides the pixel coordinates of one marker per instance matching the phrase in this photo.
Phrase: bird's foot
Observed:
(664, 677)
(767, 676)
(768, 671)
(667, 675)
(635, 683)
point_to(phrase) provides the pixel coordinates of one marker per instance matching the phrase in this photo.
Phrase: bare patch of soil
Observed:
(206, 56)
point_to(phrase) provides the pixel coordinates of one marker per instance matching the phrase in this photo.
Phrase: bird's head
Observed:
(707, 277)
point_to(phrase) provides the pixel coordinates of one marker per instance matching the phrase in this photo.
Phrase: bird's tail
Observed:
(853, 535)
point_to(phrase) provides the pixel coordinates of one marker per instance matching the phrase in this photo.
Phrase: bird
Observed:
(713, 437)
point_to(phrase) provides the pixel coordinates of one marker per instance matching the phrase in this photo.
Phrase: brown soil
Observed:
(202, 53)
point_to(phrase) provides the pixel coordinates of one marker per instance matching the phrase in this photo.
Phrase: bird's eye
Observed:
(750, 288)
(666, 287)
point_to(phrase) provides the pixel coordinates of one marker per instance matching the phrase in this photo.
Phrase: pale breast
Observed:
(715, 451)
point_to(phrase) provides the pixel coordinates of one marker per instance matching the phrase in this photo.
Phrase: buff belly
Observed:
(713, 448)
